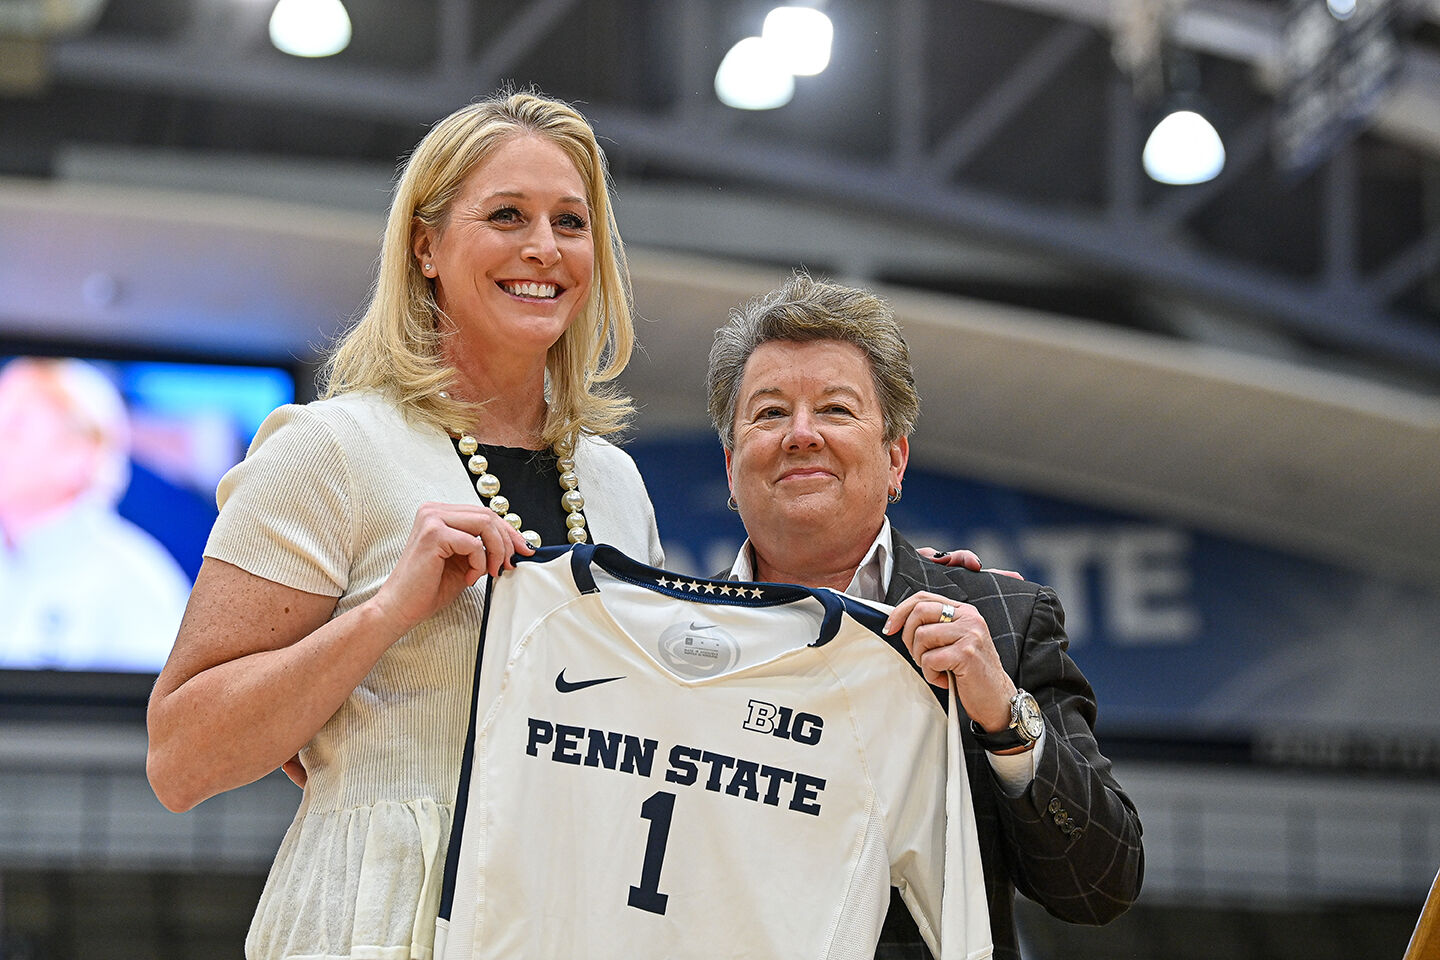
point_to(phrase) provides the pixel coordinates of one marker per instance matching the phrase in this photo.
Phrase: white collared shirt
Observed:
(872, 577)
(871, 582)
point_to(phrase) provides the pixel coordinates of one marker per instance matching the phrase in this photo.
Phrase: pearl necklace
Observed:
(488, 486)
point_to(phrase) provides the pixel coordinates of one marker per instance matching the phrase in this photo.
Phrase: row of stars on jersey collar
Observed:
(724, 589)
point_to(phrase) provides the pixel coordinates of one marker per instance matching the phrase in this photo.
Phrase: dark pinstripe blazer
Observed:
(1071, 842)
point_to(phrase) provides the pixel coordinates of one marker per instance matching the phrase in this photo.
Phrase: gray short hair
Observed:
(805, 309)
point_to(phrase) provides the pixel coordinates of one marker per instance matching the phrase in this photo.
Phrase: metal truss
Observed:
(1131, 236)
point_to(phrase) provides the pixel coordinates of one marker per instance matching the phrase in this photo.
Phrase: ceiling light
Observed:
(1341, 9)
(801, 37)
(751, 78)
(310, 28)
(1183, 149)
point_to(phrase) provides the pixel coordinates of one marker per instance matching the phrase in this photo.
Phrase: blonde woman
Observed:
(333, 625)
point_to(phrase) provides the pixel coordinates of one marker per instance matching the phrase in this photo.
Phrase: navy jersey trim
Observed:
(734, 593)
(467, 763)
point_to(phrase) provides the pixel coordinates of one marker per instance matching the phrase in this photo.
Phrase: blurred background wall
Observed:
(1208, 412)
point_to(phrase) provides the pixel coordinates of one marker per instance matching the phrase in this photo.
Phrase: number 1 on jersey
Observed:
(658, 810)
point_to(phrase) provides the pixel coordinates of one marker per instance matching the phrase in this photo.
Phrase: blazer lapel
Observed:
(914, 573)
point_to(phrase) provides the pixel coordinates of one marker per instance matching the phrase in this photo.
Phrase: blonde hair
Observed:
(395, 346)
(805, 309)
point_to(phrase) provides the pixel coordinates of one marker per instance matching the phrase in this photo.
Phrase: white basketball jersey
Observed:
(661, 766)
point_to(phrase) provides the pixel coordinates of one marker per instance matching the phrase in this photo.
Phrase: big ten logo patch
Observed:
(784, 722)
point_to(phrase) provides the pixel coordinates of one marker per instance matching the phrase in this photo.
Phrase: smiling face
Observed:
(513, 261)
(810, 467)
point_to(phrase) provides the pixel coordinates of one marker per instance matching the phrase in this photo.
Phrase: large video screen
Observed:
(108, 469)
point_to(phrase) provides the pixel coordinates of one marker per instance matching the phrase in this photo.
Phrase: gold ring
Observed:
(947, 613)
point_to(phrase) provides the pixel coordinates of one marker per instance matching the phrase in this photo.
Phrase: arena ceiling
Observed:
(1258, 356)
(1009, 125)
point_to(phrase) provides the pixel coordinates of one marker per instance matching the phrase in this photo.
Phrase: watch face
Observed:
(1031, 723)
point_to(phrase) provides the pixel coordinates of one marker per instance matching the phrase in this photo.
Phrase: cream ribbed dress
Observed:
(324, 503)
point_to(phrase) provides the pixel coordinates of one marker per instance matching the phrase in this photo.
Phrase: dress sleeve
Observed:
(287, 510)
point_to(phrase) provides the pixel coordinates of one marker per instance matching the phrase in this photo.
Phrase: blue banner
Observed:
(1182, 633)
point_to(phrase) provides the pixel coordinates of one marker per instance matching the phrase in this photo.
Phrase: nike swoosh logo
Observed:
(570, 686)
(701, 626)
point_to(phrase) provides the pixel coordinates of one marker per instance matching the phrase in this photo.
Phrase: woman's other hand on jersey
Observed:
(451, 546)
(295, 770)
(967, 559)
